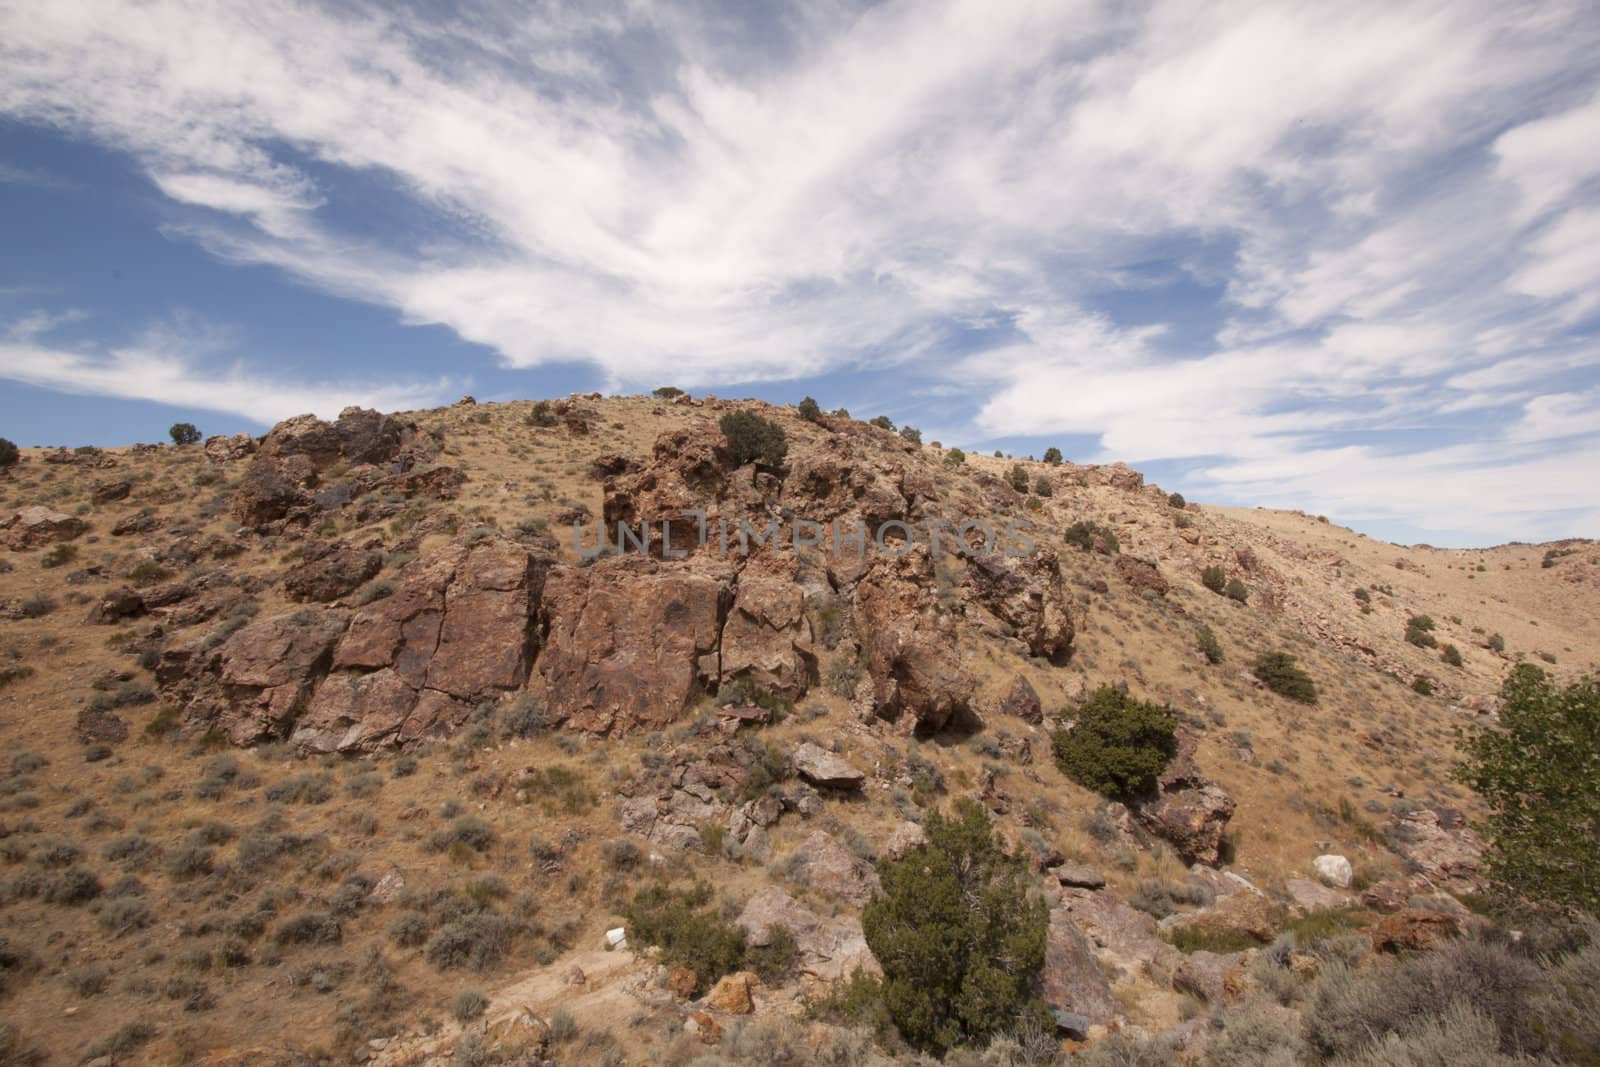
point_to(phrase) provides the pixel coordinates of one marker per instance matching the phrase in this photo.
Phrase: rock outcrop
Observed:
(630, 643)
(1441, 847)
(766, 639)
(825, 866)
(1189, 811)
(830, 948)
(908, 642)
(1027, 593)
(330, 572)
(1071, 979)
(34, 526)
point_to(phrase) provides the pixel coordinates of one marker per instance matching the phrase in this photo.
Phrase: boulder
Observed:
(903, 838)
(271, 489)
(1244, 912)
(1441, 846)
(108, 492)
(336, 574)
(1143, 575)
(34, 526)
(731, 994)
(820, 767)
(766, 639)
(1080, 875)
(220, 449)
(1413, 930)
(829, 948)
(1334, 871)
(1308, 896)
(1071, 979)
(1189, 811)
(1022, 700)
(1204, 974)
(630, 643)
(116, 605)
(908, 642)
(824, 865)
(437, 483)
(1028, 593)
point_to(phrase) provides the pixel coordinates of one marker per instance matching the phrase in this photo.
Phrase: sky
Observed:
(1336, 257)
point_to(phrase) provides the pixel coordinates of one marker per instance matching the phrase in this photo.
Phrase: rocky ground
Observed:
(286, 715)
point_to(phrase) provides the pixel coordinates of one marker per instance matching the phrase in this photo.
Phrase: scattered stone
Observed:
(107, 492)
(1080, 875)
(820, 767)
(731, 994)
(1143, 575)
(34, 526)
(1022, 700)
(1334, 871)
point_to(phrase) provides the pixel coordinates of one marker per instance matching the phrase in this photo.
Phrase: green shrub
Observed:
(475, 941)
(1042, 486)
(666, 392)
(1422, 684)
(1052, 456)
(1535, 771)
(774, 962)
(1214, 578)
(688, 933)
(1362, 595)
(882, 422)
(912, 434)
(753, 438)
(1118, 745)
(955, 458)
(1091, 537)
(1497, 643)
(1176, 500)
(1210, 647)
(1419, 631)
(809, 410)
(957, 933)
(1280, 673)
(309, 928)
(8, 453)
(59, 555)
(1019, 478)
(467, 830)
(542, 414)
(184, 433)
(1236, 590)
(468, 1004)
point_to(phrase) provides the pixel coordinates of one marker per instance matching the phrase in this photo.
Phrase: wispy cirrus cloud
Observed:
(1397, 203)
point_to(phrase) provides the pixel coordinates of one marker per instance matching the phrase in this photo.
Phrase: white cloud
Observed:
(1406, 192)
(185, 365)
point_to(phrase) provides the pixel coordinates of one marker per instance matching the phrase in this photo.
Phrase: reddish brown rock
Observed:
(1022, 700)
(766, 639)
(1189, 811)
(35, 526)
(731, 994)
(108, 492)
(336, 574)
(908, 642)
(271, 489)
(682, 982)
(1142, 575)
(439, 483)
(461, 622)
(268, 668)
(630, 642)
(1028, 593)
(117, 605)
(356, 713)
(1413, 930)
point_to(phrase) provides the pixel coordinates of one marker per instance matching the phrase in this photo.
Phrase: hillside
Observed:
(283, 715)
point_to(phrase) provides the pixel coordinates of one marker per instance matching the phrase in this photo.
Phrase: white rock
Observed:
(617, 938)
(1334, 870)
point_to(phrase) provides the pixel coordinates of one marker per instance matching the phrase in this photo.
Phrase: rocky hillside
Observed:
(311, 733)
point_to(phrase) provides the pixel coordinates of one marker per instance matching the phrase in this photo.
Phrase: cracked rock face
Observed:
(630, 642)
(915, 679)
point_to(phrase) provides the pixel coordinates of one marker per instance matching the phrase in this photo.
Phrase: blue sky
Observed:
(1344, 258)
